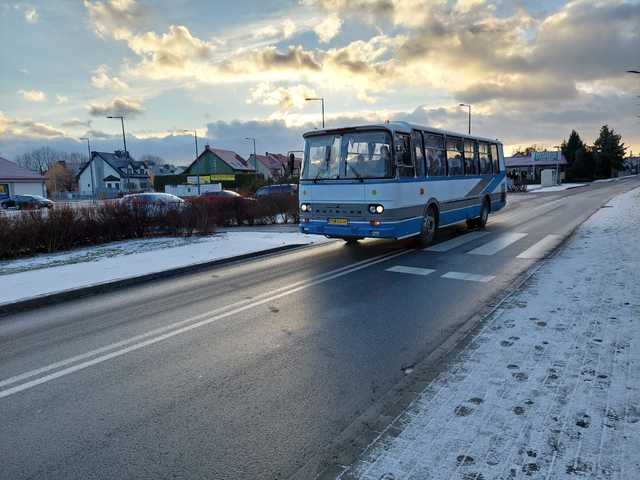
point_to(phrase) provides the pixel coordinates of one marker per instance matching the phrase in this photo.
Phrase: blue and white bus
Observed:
(397, 180)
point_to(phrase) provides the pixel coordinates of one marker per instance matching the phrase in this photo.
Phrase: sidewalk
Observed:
(550, 387)
(44, 275)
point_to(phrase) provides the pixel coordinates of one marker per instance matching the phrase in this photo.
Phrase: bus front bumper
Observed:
(393, 230)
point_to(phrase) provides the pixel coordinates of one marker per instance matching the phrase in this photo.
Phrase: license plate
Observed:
(338, 221)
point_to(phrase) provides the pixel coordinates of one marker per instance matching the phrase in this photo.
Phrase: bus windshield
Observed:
(349, 155)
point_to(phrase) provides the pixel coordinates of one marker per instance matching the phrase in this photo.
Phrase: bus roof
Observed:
(405, 127)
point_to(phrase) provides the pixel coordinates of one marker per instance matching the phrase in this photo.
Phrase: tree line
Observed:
(600, 160)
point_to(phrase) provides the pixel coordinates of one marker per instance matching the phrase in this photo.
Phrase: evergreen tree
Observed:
(609, 152)
(571, 147)
(583, 166)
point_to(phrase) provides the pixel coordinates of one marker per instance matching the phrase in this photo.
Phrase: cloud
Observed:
(76, 122)
(101, 79)
(11, 127)
(280, 32)
(61, 99)
(328, 28)
(118, 106)
(33, 95)
(113, 18)
(284, 98)
(31, 15)
(520, 90)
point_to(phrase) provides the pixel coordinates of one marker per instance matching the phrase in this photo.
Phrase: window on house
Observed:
(455, 162)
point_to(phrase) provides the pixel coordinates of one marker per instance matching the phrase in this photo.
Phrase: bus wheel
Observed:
(429, 227)
(481, 221)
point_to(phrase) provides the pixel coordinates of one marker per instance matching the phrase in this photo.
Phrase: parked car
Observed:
(283, 189)
(154, 202)
(27, 202)
(222, 193)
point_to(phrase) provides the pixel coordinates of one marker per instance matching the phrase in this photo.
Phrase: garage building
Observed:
(16, 180)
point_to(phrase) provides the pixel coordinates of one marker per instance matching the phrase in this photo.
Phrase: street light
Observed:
(93, 190)
(124, 139)
(195, 136)
(317, 99)
(558, 147)
(469, 107)
(255, 157)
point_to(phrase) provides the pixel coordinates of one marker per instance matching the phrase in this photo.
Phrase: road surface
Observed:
(250, 371)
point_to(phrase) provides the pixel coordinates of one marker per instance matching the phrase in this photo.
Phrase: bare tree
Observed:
(41, 159)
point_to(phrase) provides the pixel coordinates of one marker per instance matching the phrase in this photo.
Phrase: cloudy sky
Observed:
(533, 70)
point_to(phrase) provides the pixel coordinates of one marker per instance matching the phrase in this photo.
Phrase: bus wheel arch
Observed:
(431, 219)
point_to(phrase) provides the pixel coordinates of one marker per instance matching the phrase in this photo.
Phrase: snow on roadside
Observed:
(46, 274)
(549, 388)
(556, 188)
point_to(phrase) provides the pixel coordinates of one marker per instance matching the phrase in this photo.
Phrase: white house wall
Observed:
(27, 188)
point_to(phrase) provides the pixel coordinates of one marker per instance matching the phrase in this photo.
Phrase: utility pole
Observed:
(255, 156)
(469, 107)
(124, 138)
(558, 148)
(93, 188)
(195, 136)
(318, 99)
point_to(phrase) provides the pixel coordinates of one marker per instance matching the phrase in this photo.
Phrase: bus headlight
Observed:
(376, 209)
(305, 207)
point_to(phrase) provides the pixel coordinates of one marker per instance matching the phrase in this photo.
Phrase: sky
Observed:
(532, 71)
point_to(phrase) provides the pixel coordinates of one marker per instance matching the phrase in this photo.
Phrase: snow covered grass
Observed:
(46, 274)
(549, 388)
(556, 188)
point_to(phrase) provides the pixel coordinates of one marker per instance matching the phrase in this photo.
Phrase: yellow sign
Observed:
(222, 178)
(204, 179)
(3, 189)
(338, 221)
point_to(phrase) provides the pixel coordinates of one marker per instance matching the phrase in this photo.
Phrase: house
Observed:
(273, 165)
(214, 162)
(108, 174)
(16, 180)
(530, 166)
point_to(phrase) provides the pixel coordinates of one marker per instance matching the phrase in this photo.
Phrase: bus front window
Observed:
(352, 155)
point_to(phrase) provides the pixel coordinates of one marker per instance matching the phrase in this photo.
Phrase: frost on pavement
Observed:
(550, 387)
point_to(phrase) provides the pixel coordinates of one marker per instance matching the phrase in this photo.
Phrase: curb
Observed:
(72, 294)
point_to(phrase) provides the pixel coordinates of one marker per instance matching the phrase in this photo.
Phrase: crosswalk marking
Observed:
(472, 277)
(494, 246)
(455, 242)
(412, 270)
(541, 248)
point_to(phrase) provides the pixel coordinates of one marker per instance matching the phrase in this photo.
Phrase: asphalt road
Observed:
(249, 371)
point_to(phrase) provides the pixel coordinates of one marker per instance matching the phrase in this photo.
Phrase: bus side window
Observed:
(495, 159)
(435, 155)
(469, 163)
(403, 155)
(485, 161)
(455, 158)
(418, 152)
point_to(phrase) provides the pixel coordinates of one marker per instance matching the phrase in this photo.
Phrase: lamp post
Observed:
(93, 188)
(469, 107)
(317, 99)
(124, 139)
(558, 148)
(195, 136)
(255, 156)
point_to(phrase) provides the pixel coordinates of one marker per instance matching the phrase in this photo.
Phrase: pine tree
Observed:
(583, 167)
(609, 152)
(571, 147)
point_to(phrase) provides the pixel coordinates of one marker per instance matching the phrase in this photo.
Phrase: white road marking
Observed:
(541, 248)
(455, 242)
(172, 331)
(412, 270)
(471, 277)
(502, 242)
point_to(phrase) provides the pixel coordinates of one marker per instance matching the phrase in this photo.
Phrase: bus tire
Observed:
(481, 221)
(429, 227)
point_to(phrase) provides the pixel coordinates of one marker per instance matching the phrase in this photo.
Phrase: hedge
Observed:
(63, 228)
